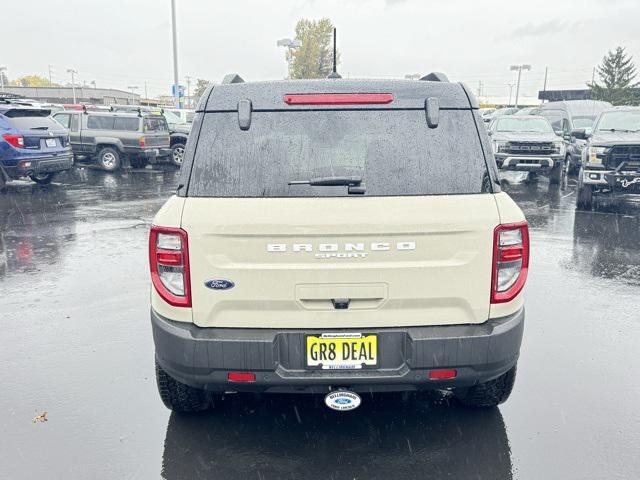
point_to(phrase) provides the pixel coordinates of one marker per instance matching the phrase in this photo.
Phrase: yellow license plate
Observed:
(342, 351)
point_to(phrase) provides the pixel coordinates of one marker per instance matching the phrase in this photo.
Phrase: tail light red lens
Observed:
(142, 142)
(338, 98)
(443, 374)
(16, 141)
(510, 261)
(241, 377)
(169, 265)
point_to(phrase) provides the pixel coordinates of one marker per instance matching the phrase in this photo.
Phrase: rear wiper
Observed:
(329, 181)
(354, 183)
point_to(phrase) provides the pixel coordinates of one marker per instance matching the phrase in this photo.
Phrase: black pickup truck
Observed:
(115, 139)
(611, 160)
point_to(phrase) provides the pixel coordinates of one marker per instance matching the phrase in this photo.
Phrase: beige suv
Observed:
(337, 237)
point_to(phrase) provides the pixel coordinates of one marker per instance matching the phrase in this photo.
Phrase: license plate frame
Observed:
(340, 338)
(50, 142)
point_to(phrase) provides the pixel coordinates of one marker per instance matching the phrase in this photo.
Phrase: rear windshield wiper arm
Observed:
(329, 181)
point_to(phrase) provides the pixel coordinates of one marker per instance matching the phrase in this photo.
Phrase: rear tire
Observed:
(179, 397)
(42, 178)
(488, 394)
(177, 154)
(109, 159)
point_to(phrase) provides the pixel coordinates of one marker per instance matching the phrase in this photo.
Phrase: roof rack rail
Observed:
(436, 77)
(232, 78)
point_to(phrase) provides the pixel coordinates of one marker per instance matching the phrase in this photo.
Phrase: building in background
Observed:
(84, 94)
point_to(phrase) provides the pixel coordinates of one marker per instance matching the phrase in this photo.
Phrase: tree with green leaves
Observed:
(617, 73)
(32, 81)
(201, 86)
(314, 57)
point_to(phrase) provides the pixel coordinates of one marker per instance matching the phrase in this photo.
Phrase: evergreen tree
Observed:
(617, 73)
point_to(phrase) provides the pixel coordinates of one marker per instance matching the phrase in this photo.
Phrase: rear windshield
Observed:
(34, 122)
(393, 151)
(155, 124)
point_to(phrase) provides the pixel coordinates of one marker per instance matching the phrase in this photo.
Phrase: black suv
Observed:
(611, 160)
(114, 139)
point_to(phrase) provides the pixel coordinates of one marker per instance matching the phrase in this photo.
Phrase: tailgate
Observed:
(399, 261)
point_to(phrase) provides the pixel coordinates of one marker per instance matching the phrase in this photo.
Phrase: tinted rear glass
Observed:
(100, 123)
(393, 151)
(39, 122)
(155, 124)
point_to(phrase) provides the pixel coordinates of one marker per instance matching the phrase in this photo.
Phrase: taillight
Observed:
(16, 141)
(510, 261)
(338, 98)
(142, 142)
(169, 264)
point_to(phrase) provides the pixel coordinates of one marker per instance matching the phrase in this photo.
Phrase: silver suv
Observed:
(337, 237)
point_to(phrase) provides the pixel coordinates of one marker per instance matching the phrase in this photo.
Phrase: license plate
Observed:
(50, 142)
(342, 351)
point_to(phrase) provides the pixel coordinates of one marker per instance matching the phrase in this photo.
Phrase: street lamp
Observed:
(133, 88)
(176, 88)
(2, 70)
(510, 85)
(73, 82)
(519, 69)
(288, 43)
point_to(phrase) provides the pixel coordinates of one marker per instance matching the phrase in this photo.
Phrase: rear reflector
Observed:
(338, 98)
(241, 377)
(442, 374)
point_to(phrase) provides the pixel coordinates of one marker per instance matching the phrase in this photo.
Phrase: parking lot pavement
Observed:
(76, 343)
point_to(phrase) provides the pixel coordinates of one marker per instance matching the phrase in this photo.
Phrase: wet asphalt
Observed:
(75, 341)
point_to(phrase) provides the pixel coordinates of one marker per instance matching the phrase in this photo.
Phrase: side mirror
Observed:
(580, 134)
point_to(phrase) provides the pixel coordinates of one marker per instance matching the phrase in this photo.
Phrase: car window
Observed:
(63, 119)
(99, 122)
(130, 124)
(26, 122)
(625, 120)
(172, 117)
(393, 151)
(556, 118)
(523, 124)
(74, 123)
(190, 116)
(155, 124)
(583, 122)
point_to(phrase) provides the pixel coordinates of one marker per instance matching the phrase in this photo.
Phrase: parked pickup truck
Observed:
(114, 139)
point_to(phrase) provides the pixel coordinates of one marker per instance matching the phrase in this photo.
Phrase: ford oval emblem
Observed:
(219, 284)
(342, 400)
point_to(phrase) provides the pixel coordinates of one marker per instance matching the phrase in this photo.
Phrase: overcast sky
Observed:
(119, 43)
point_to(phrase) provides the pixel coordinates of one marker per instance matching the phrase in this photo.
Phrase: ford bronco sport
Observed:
(336, 236)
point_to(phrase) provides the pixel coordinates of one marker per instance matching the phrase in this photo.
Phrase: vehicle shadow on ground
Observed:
(280, 436)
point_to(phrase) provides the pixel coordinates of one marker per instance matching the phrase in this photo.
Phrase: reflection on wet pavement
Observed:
(76, 342)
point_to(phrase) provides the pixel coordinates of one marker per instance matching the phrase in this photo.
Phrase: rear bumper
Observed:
(37, 165)
(202, 357)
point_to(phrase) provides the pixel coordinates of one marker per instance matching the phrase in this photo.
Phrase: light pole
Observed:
(188, 99)
(288, 43)
(510, 85)
(2, 70)
(73, 82)
(133, 88)
(50, 75)
(519, 69)
(176, 88)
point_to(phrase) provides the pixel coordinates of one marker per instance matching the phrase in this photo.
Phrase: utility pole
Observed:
(176, 87)
(510, 85)
(50, 75)
(544, 88)
(146, 95)
(133, 88)
(519, 69)
(188, 103)
(73, 82)
(593, 76)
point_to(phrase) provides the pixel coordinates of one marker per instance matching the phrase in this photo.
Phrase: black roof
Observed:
(269, 95)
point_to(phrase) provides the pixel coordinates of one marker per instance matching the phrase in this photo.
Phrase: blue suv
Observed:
(32, 144)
